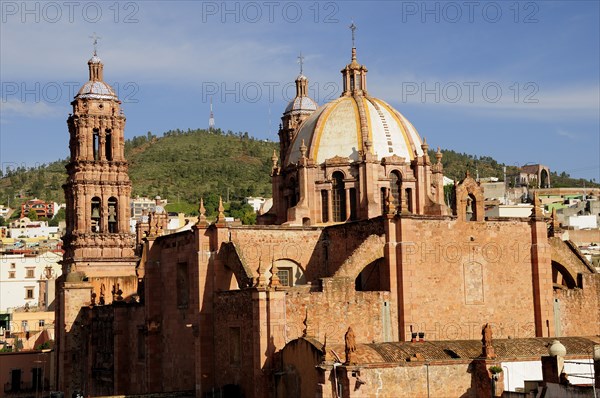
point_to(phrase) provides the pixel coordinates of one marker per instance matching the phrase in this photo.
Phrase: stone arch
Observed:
(562, 277)
(370, 250)
(296, 273)
(469, 193)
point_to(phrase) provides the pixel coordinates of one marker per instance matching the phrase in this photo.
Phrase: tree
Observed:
(32, 215)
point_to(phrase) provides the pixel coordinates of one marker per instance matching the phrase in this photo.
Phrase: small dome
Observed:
(96, 90)
(301, 105)
(95, 60)
(337, 128)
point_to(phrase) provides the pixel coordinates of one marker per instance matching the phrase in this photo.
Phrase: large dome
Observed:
(337, 129)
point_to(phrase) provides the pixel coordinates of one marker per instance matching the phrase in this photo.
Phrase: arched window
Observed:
(339, 197)
(108, 145)
(113, 215)
(395, 187)
(471, 209)
(96, 143)
(96, 207)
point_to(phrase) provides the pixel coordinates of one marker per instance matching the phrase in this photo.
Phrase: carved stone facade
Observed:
(360, 255)
(99, 261)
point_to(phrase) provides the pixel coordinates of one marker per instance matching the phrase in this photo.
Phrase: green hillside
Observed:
(183, 166)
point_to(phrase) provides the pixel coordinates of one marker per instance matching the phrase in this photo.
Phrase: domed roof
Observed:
(301, 105)
(95, 60)
(96, 90)
(337, 129)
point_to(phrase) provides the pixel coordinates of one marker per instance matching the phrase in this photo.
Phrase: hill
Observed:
(183, 166)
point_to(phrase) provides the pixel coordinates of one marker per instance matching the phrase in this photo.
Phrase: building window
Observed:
(11, 274)
(339, 197)
(96, 205)
(395, 186)
(108, 145)
(285, 276)
(29, 273)
(96, 144)
(324, 206)
(235, 345)
(13, 265)
(28, 293)
(183, 285)
(112, 215)
(41, 323)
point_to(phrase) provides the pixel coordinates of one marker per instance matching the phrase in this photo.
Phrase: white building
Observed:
(582, 222)
(28, 280)
(25, 228)
(255, 202)
(522, 210)
(4, 211)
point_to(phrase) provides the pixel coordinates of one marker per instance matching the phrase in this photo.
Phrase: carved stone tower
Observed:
(99, 262)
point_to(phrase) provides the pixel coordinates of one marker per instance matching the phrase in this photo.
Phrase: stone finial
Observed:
(487, 349)
(201, 214)
(467, 174)
(438, 156)
(102, 300)
(389, 204)
(303, 150)
(220, 221)
(350, 345)
(424, 145)
(261, 281)
(274, 159)
(274, 282)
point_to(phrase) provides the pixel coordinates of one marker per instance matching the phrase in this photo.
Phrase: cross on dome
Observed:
(95, 42)
(353, 29)
(301, 61)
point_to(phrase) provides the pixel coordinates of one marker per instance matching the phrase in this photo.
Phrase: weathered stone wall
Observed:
(327, 314)
(234, 357)
(419, 380)
(580, 307)
(456, 276)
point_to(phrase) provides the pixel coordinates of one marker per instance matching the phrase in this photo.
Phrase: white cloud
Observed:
(37, 110)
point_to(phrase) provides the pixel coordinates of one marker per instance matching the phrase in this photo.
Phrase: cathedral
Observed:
(355, 283)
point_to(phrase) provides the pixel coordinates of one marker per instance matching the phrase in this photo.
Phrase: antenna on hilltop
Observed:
(211, 118)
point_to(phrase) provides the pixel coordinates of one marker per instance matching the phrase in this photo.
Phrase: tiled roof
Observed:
(400, 352)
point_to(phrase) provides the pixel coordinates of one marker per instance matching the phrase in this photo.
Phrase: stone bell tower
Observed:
(99, 263)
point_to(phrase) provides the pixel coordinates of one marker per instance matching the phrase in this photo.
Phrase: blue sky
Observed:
(515, 80)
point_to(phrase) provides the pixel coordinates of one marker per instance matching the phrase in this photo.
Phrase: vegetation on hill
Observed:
(183, 166)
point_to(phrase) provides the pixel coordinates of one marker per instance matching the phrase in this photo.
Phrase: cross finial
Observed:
(95, 37)
(301, 61)
(353, 29)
